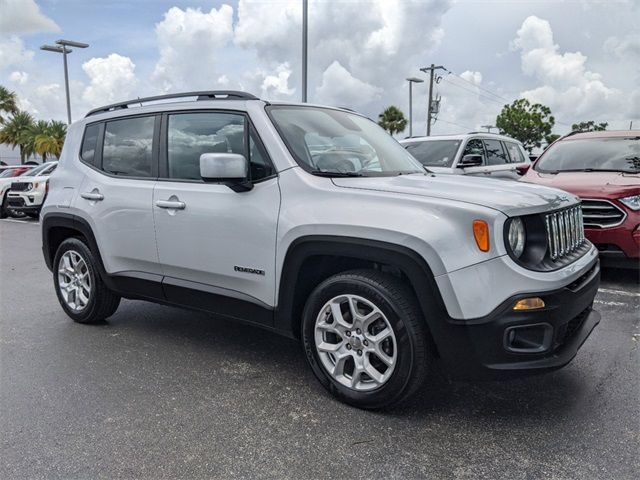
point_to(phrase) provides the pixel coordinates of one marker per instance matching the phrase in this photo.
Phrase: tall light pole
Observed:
(62, 47)
(411, 81)
(305, 15)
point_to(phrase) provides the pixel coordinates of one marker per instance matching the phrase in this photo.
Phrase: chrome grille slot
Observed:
(565, 232)
(601, 214)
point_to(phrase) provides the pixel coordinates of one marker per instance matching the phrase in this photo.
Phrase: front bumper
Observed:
(28, 202)
(480, 349)
(618, 246)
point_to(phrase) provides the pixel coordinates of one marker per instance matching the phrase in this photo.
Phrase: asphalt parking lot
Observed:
(159, 392)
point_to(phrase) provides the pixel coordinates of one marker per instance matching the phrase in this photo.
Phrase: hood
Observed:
(589, 184)
(509, 197)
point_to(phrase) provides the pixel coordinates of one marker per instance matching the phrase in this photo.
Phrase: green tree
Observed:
(51, 140)
(529, 123)
(552, 137)
(15, 133)
(589, 126)
(392, 120)
(8, 103)
(37, 128)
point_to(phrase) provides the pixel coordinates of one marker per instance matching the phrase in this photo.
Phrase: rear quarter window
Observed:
(89, 143)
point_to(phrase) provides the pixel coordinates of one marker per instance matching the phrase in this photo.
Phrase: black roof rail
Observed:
(484, 133)
(204, 95)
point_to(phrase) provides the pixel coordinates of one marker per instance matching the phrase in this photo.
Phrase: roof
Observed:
(603, 134)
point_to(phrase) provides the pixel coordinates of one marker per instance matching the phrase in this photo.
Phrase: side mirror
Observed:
(231, 169)
(470, 160)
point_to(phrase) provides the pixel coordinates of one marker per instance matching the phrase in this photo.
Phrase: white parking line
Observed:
(611, 304)
(619, 292)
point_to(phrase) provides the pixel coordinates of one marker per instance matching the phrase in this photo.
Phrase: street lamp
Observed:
(62, 47)
(411, 81)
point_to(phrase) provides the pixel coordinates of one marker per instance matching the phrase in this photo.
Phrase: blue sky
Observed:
(580, 57)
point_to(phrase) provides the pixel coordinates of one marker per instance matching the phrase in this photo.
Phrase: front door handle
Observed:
(94, 195)
(171, 204)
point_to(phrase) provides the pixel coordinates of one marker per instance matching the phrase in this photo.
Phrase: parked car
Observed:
(314, 223)
(475, 153)
(603, 169)
(7, 177)
(14, 170)
(27, 193)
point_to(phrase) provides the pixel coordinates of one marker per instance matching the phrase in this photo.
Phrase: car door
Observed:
(498, 162)
(115, 197)
(474, 146)
(214, 243)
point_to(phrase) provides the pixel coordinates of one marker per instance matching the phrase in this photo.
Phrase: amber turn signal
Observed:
(481, 234)
(532, 303)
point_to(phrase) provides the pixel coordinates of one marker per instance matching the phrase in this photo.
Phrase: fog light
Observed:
(532, 303)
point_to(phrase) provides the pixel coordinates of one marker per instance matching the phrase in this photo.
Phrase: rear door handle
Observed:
(95, 195)
(171, 204)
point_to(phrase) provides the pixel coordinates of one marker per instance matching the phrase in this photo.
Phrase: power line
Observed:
(486, 97)
(479, 87)
(456, 124)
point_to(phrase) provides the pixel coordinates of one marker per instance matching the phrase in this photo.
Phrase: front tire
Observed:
(365, 338)
(81, 292)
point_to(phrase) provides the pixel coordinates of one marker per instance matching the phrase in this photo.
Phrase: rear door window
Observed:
(475, 147)
(128, 145)
(495, 153)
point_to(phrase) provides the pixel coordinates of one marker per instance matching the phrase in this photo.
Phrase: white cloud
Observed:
(19, 77)
(571, 90)
(111, 78)
(13, 52)
(340, 88)
(626, 48)
(189, 41)
(277, 85)
(24, 16)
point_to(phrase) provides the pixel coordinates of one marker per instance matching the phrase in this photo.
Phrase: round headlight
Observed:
(517, 237)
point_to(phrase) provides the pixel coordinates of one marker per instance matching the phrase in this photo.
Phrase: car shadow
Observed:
(620, 276)
(269, 355)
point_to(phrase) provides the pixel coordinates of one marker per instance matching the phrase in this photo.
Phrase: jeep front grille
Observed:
(601, 214)
(565, 231)
(19, 186)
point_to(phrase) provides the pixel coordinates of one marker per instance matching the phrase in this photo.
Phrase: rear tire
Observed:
(377, 352)
(81, 292)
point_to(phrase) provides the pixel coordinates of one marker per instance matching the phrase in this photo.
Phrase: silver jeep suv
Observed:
(314, 223)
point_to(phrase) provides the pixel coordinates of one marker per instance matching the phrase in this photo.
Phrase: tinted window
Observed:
(436, 153)
(127, 147)
(8, 172)
(474, 147)
(192, 134)
(40, 170)
(89, 143)
(515, 152)
(495, 153)
(593, 154)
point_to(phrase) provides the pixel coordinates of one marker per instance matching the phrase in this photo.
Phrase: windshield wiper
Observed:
(322, 173)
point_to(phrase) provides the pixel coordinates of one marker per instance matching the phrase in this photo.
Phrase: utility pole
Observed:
(411, 81)
(431, 71)
(305, 14)
(62, 47)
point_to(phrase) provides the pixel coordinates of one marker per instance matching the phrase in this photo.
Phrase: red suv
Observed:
(603, 169)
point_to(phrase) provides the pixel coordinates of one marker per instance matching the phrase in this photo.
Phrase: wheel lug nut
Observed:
(365, 343)
(348, 346)
(348, 333)
(359, 352)
(358, 331)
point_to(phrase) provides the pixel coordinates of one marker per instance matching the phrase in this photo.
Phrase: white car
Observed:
(27, 192)
(477, 153)
(314, 223)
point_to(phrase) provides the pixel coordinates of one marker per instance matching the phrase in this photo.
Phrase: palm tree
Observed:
(15, 133)
(8, 102)
(38, 128)
(392, 120)
(51, 141)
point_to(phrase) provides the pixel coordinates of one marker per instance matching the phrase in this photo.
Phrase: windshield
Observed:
(434, 153)
(37, 170)
(592, 154)
(337, 143)
(7, 173)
